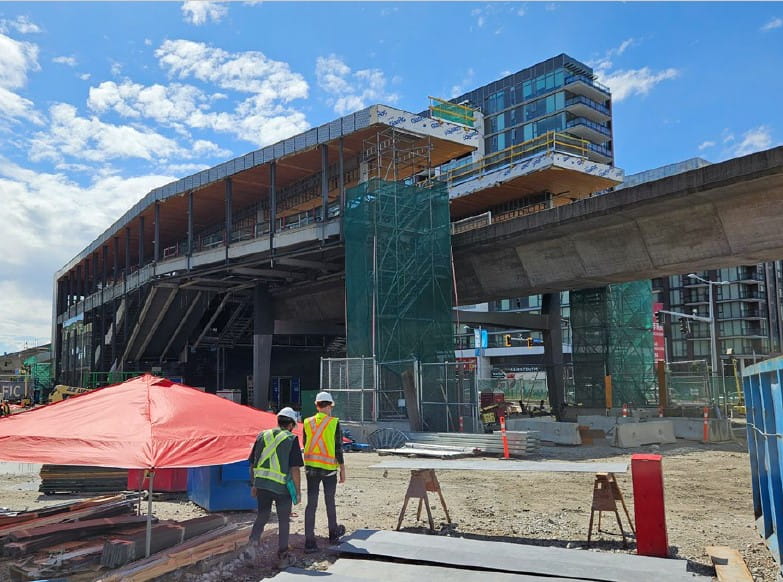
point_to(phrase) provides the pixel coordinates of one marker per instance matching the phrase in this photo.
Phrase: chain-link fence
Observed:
(351, 381)
(448, 397)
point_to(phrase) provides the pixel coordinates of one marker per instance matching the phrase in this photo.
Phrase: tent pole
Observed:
(149, 514)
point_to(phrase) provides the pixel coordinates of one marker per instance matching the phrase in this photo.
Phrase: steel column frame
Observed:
(553, 352)
(116, 267)
(102, 313)
(263, 332)
(272, 207)
(181, 324)
(141, 242)
(156, 241)
(228, 195)
(341, 165)
(155, 324)
(190, 227)
(127, 252)
(324, 189)
(137, 327)
(211, 320)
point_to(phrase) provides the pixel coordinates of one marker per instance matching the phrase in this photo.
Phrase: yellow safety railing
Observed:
(448, 111)
(549, 142)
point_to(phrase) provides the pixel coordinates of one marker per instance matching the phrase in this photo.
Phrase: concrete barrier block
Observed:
(644, 433)
(604, 423)
(692, 429)
(561, 433)
(13, 468)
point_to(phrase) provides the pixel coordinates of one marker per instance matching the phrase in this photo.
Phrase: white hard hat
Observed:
(288, 412)
(324, 397)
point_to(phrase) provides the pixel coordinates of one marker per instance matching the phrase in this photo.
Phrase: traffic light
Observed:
(659, 317)
(530, 342)
(507, 340)
(685, 326)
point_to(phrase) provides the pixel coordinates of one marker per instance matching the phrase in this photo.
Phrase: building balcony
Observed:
(585, 107)
(599, 153)
(583, 85)
(589, 130)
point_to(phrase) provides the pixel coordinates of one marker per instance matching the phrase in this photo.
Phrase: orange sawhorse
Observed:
(606, 494)
(423, 480)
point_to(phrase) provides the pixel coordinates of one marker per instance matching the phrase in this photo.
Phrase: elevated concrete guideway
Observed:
(722, 215)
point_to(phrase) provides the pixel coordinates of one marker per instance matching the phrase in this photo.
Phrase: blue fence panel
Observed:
(764, 405)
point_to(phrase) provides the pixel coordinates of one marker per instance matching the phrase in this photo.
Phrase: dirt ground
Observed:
(707, 494)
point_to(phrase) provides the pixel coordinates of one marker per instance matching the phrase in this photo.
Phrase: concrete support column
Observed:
(553, 352)
(127, 252)
(263, 329)
(324, 189)
(341, 169)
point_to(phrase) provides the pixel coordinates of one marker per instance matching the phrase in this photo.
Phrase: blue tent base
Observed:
(221, 487)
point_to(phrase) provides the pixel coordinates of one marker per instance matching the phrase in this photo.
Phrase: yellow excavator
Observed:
(62, 392)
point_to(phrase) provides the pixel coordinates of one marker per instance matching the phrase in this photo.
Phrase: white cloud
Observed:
(706, 145)
(772, 24)
(16, 60)
(200, 12)
(626, 83)
(754, 140)
(635, 81)
(116, 68)
(478, 13)
(350, 91)
(70, 61)
(261, 118)
(22, 25)
(248, 72)
(85, 76)
(71, 136)
(43, 229)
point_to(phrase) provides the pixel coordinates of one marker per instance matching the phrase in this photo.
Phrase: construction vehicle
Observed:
(63, 392)
(739, 407)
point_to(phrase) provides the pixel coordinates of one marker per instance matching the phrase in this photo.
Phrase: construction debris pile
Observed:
(104, 532)
(76, 479)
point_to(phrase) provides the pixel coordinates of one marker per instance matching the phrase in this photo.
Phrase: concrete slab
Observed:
(561, 433)
(692, 429)
(12, 468)
(643, 433)
(487, 465)
(515, 558)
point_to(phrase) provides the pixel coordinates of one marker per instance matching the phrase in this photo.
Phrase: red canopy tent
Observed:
(144, 423)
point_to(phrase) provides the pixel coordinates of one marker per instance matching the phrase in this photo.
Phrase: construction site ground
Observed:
(707, 494)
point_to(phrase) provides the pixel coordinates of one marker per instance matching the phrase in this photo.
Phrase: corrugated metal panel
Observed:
(323, 134)
(362, 119)
(289, 145)
(335, 129)
(311, 138)
(249, 160)
(300, 141)
(348, 123)
(222, 171)
(279, 150)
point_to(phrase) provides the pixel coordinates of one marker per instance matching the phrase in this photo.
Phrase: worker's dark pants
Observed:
(283, 508)
(330, 488)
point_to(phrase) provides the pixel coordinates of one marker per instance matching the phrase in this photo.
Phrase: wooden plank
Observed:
(515, 558)
(729, 565)
(491, 465)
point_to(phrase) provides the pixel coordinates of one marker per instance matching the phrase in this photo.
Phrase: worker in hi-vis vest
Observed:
(274, 471)
(323, 459)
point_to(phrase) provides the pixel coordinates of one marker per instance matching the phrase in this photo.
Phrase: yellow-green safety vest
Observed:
(268, 464)
(319, 450)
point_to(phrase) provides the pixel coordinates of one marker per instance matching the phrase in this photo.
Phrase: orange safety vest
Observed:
(319, 450)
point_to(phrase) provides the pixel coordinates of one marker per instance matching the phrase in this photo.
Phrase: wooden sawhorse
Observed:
(606, 494)
(423, 480)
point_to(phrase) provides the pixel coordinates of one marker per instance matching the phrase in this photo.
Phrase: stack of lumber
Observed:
(520, 443)
(223, 540)
(119, 550)
(67, 479)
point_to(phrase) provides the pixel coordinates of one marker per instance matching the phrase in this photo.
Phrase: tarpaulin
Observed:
(144, 423)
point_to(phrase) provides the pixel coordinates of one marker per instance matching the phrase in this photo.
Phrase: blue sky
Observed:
(100, 102)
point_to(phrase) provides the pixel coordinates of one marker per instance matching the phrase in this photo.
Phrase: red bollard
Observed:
(503, 436)
(706, 435)
(648, 505)
(625, 410)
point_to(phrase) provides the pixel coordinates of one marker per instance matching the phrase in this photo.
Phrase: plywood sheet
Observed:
(515, 558)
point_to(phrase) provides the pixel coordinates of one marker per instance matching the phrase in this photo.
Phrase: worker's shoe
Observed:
(335, 535)
(285, 559)
(310, 547)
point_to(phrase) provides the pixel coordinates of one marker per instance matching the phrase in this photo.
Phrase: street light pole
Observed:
(711, 317)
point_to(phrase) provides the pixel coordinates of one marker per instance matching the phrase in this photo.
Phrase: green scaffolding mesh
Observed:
(398, 272)
(612, 335)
